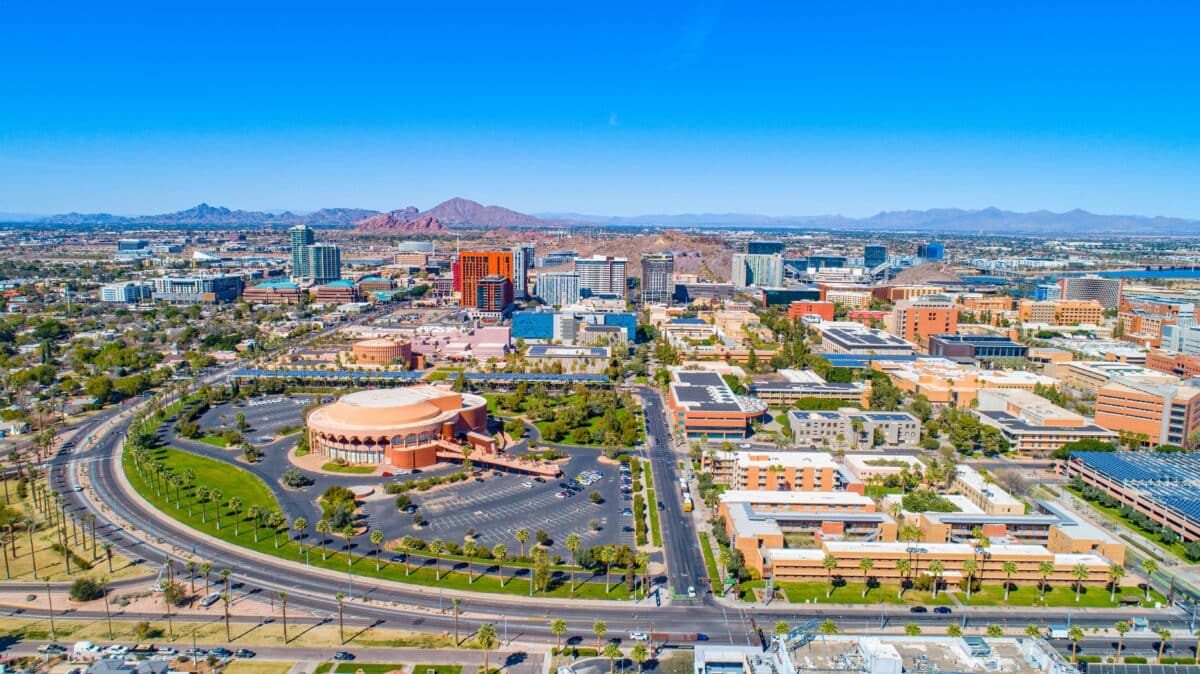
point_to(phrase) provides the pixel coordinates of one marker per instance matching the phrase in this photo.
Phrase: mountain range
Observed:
(464, 212)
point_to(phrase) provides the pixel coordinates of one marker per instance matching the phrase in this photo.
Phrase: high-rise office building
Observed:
(931, 251)
(601, 275)
(321, 262)
(476, 265)
(873, 256)
(299, 236)
(558, 289)
(658, 278)
(494, 293)
(765, 247)
(757, 270)
(523, 257)
(1106, 291)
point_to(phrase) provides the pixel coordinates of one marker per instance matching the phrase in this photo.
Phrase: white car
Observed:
(210, 599)
(691, 591)
(165, 650)
(639, 636)
(116, 649)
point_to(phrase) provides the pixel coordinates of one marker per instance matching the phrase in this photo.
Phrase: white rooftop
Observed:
(796, 497)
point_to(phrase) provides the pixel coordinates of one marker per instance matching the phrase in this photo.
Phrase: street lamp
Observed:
(50, 602)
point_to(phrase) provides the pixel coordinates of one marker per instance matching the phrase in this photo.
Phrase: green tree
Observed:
(1080, 573)
(599, 628)
(1150, 567)
(612, 651)
(558, 627)
(1075, 634)
(782, 628)
(1122, 627)
(829, 563)
(995, 631)
(1115, 573)
(485, 636)
(953, 630)
(912, 630)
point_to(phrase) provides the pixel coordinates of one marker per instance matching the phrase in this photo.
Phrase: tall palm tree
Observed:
(190, 566)
(499, 551)
(283, 610)
(641, 564)
(640, 654)
(522, 536)
(376, 538)
(322, 529)
(558, 627)
(206, 569)
(30, 526)
(612, 651)
(599, 629)
(276, 521)
(573, 542)
(606, 556)
(1075, 634)
(936, 568)
(829, 563)
(255, 514)
(300, 524)
(1080, 573)
(235, 507)
(436, 546)
(215, 496)
(486, 637)
(1164, 637)
(201, 496)
(1010, 568)
(1122, 627)
(1045, 570)
(1115, 573)
(865, 564)
(903, 566)
(341, 600)
(1033, 631)
(970, 567)
(455, 605)
(1150, 567)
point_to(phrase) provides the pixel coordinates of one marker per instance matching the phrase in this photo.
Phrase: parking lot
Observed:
(263, 413)
(500, 505)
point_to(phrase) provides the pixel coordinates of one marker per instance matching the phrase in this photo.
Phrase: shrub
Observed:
(295, 478)
(403, 501)
(85, 589)
(1135, 660)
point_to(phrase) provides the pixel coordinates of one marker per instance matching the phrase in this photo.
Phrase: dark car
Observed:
(660, 505)
(243, 653)
(410, 508)
(540, 480)
(942, 610)
(343, 656)
(627, 529)
(221, 652)
(918, 609)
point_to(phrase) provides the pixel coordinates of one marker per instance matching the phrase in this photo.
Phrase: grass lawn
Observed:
(879, 491)
(648, 475)
(1114, 514)
(436, 669)
(257, 667)
(710, 562)
(1057, 595)
(367, 668)
(235, 481)
(850, 593)
(214, 440)
(334, 467)
(652, 504)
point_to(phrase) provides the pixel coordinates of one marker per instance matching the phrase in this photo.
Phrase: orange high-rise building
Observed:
(475, 265)
(916, 320)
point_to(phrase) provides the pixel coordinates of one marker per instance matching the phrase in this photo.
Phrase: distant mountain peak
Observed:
(460, 211)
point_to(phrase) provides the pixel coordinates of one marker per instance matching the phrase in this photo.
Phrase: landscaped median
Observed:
(227, 515)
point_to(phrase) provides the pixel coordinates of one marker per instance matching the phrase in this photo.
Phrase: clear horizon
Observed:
(620, 109)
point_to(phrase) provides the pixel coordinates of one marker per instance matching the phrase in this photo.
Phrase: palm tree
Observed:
(953, 630)
(201, 496)
(1164, 636)
(1033, 631)
(866, 564)
(322, 529)
(605, 555)
(522, 536)
(205, 569)
(190, 566)
(486, 637)
(903, 566)
(341, 599)
(573, 542)
(1115, 573)
(1075, 634)
(377, 539)
(455, 604)
(912, 630)
(215, 496)
(1045, 570)
(828, 628)
(1010, 568)
(256, 513)
(641, 565)
(599, 629)
(300, 524)
(436, 546)
(499, 551)
(276, 521)
(639, 654)
(829, 563)
(30, 525)
(936, 568)
(1080, 573)
(283, 609)
(1150, 567)
(970, 567)
(558, 627)
(225, 602)
(612, 651)
(235, 507)
(1122, 627)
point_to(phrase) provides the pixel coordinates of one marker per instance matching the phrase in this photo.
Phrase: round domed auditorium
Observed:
(381, 351)
(398, 427)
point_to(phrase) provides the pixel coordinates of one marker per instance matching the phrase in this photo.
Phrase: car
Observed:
(691, 591)
(639, 636)
(942, 610)
(343, 656)
(561, 494)
(51, 649)
(210, 599)
(527, 485)
(540, 480)
(563, 485)
(78, 488)
(627, 529)
(918, 609)
(116, 649)
(410, 508)
(165, 650)
(661, 506)
(627, 512)
(195, 652)
(243, 653)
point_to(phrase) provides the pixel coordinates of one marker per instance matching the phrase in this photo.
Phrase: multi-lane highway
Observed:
(129, 522)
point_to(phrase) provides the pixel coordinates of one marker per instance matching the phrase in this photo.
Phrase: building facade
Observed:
(558, 289)
(757, 270)
(602, 275)
(1106, 291)
(476, 265)
(658, 278)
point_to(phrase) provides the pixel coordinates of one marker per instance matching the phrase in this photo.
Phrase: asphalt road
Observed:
(418, 608)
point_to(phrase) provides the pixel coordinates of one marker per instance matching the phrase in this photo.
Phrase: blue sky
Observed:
(616, 108)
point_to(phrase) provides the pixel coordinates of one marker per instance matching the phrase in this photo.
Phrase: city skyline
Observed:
(686, 108)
